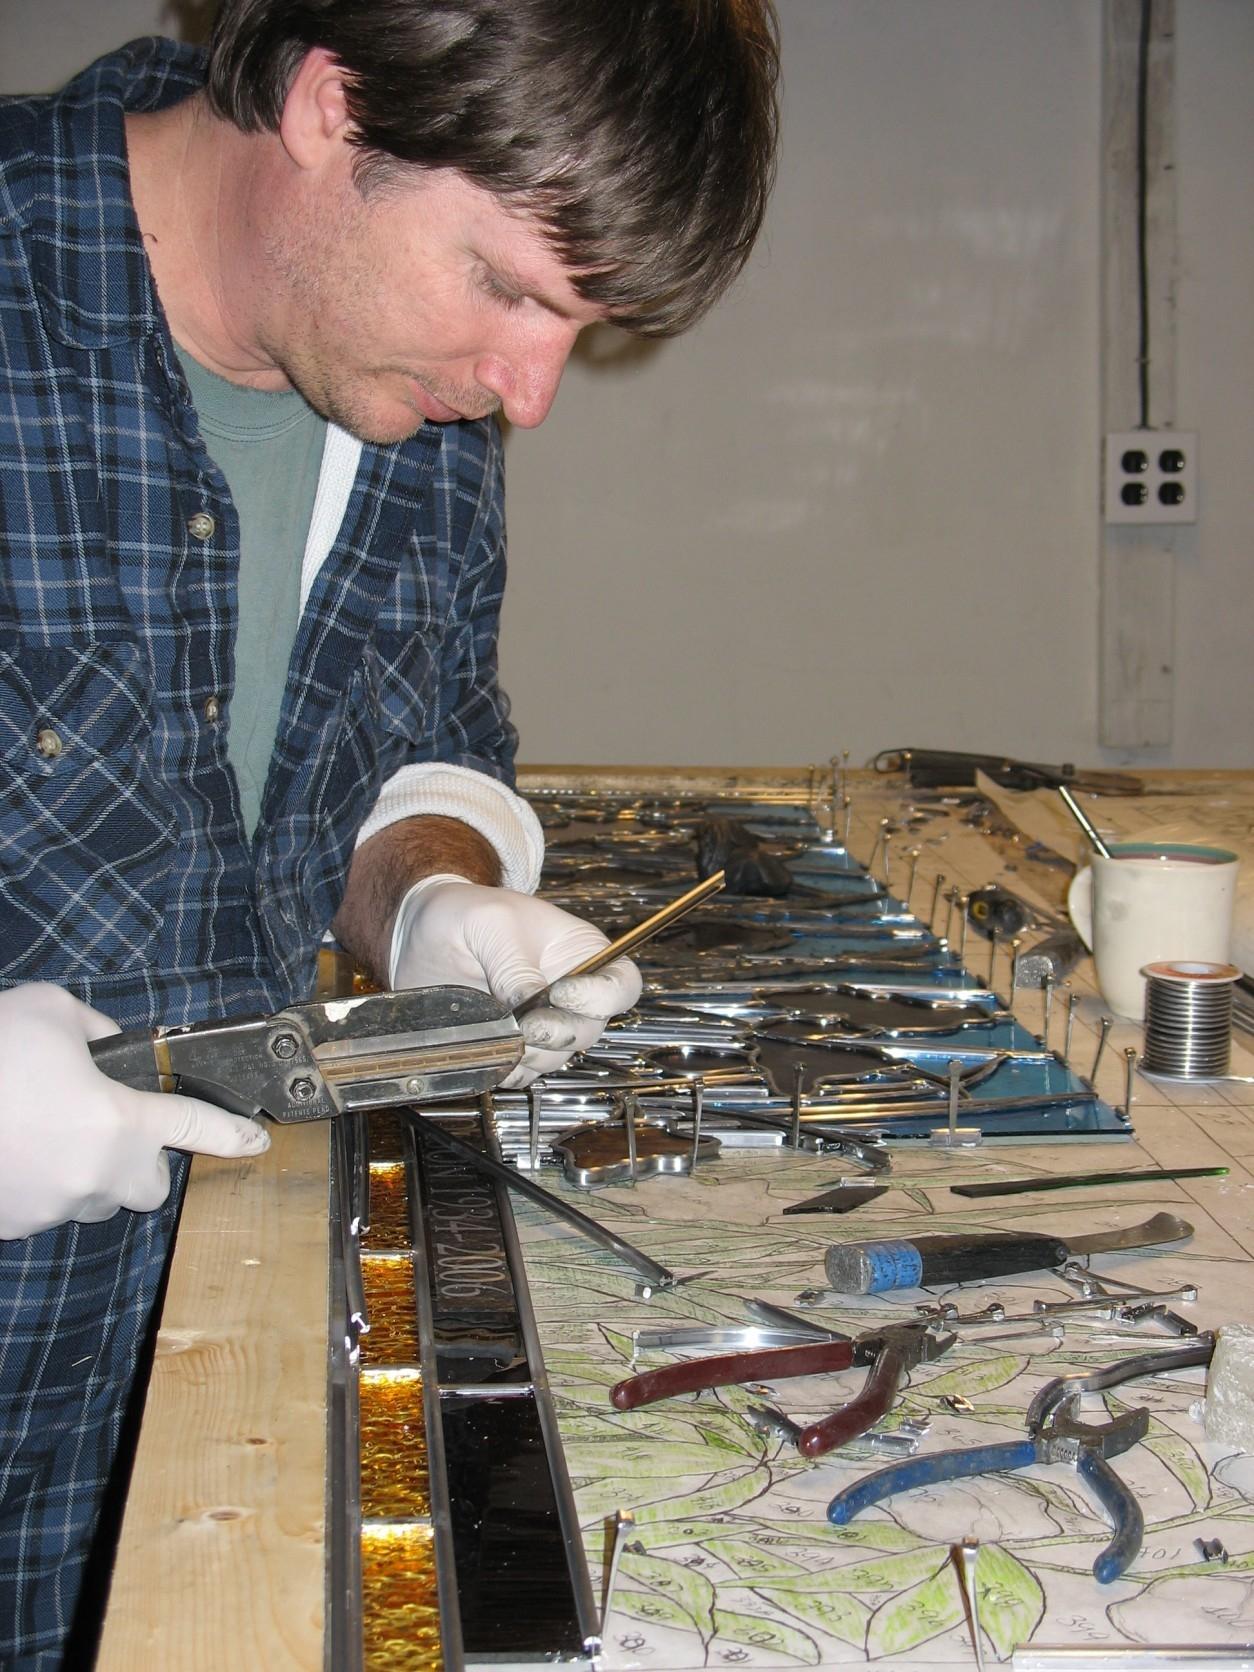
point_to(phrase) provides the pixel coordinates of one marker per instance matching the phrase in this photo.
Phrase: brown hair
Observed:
(640, 134)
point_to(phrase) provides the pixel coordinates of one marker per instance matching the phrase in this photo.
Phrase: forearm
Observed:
(386, 865)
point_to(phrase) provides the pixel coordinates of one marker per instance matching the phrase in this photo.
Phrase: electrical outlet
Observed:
(1151, 476)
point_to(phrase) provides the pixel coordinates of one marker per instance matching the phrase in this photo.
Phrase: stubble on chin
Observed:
(326, 288)
(354, 410)
(312, 335)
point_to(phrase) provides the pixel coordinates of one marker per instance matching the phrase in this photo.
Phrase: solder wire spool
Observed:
(1188, 1019)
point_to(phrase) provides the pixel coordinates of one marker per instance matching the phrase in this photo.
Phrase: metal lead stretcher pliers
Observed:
(1055, 1435)
(891, 1353)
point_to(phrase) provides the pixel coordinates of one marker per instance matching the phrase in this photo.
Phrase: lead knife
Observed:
(873, 1268)
(315, 1061)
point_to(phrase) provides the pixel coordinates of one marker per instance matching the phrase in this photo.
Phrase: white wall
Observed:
(1215, 379)
(858, 506)
(43, 42)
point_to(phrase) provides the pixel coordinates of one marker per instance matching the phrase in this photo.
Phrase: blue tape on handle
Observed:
(892, 1265)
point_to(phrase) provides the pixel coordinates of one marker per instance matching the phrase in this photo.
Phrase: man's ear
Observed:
(315, 119)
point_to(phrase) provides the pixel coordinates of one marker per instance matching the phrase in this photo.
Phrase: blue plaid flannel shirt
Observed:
(125, 872)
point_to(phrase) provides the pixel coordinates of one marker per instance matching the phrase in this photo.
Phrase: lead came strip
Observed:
(507, 1537)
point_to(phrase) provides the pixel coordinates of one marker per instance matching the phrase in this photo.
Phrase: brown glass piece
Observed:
(400, 1613)
(389, 1208)
(599, 1153)
(393, 1334)
(395, 1480)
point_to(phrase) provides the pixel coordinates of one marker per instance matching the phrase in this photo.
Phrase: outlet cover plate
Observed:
(1145, 471)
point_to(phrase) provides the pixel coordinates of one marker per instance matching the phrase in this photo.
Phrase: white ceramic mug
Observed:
(1151, 901)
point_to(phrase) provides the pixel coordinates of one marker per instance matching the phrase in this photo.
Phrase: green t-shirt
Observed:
(269, 448)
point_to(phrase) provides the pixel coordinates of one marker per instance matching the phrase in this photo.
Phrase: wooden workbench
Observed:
(222, 1559)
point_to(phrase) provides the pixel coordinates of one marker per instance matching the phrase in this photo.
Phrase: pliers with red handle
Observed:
(891, 1352)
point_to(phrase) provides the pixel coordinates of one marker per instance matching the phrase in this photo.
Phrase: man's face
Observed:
(425, 299)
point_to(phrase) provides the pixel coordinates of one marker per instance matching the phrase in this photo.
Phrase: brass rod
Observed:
(632, 938)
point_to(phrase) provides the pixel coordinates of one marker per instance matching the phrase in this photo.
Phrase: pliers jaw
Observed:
(1062, 1437)
(1055, 1435)
(892, 1354)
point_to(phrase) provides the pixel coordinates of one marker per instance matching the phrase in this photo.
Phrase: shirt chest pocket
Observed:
(86, 838)
(402, 687)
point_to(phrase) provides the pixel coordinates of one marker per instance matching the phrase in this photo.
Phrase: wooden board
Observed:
(221, 1560)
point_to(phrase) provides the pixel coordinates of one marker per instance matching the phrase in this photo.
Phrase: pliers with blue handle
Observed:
(1055, 1435)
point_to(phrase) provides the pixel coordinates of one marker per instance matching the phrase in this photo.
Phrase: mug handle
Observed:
(1080, 904)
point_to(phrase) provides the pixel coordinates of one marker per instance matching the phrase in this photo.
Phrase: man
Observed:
(256, 317)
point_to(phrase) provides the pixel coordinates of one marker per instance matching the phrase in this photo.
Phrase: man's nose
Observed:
(525, 379)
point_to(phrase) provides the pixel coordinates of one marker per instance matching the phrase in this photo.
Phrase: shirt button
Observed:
(48, 744)
(200, 525)
(213, 710)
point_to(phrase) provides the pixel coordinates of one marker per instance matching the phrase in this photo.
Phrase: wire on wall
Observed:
(1142, 213)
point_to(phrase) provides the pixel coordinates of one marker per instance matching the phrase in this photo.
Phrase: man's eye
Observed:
(499, 291)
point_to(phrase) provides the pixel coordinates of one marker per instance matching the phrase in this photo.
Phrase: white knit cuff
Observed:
(433, 788)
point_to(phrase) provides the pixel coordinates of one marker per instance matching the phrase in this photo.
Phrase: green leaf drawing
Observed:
(822, 1608)
(598, 1498)
(1069, 1507)
(770, 1637)
(918, 1614)
(707, 1418)
(658, 1535)
(712, 1500)
(652, 1609)
(722, 1431)
(969, 1379)
(1010, 1598)
(690, 1591)
(646, 1456)
(695, 1422)
(1180, 1457)
(748, 1560)
(888, 1573)
(575, 1367)
(875, 1535)
(581, 1423)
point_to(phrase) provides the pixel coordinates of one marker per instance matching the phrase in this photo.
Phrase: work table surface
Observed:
(734, 1563)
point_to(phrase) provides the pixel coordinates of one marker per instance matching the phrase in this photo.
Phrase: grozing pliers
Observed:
(1055, 1435)
(891, 1352)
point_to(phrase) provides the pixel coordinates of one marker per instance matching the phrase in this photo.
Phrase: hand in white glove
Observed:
(75, 1144)
(450, 932)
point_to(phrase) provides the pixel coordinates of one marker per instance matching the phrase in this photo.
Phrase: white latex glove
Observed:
(75, 1144)
(450, 932)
